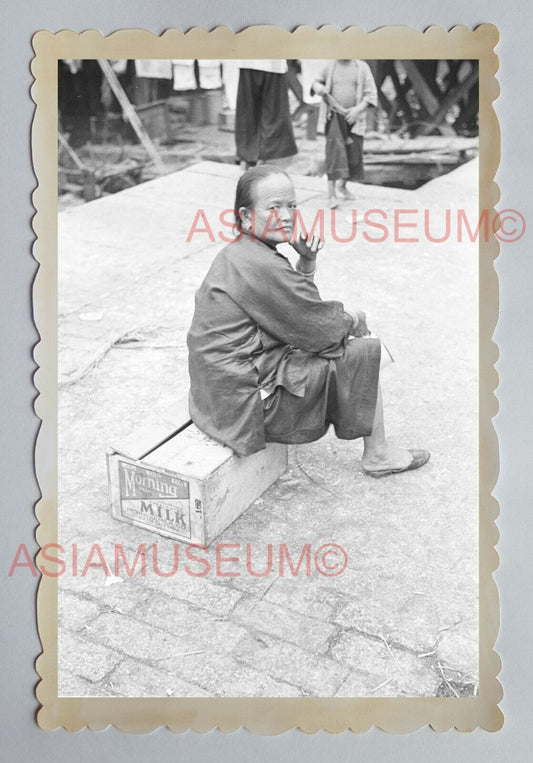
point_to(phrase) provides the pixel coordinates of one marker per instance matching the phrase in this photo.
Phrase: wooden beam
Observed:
(450, 100)
(386, 105)
(400, 93)
(421, 87)
(426, 96)
(70, 151)
(131, 115)
(379, 71)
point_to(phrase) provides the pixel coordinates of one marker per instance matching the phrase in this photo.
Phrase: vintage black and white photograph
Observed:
(268, 377)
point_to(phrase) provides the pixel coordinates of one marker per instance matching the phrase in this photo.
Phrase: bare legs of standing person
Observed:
(332, 196)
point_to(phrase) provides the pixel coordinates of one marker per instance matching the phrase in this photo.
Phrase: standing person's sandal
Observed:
(420, 457)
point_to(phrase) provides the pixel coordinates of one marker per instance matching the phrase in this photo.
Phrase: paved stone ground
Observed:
(401, 620)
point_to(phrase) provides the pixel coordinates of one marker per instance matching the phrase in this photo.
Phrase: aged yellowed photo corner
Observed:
(192, 577)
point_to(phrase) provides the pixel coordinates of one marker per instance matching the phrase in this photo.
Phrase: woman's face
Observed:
(272, 218)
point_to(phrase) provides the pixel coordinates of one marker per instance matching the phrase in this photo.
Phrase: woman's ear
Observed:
(244, 214)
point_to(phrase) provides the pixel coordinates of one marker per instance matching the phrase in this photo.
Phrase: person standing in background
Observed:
(348, 89)
(263, 127)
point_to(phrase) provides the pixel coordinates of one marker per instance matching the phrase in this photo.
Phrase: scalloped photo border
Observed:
(261, 715)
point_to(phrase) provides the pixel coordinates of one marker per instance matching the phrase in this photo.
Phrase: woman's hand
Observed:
(308, 248)
(361, 329)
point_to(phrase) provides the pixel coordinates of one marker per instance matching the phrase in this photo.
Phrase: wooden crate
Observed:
(186, 486)
(226, 120)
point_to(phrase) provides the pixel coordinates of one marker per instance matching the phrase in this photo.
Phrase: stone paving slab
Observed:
(85, 659)
(130, 679)
(223, 675)
(396, 672)
(290, 627)
(285, 661)
(199, 628)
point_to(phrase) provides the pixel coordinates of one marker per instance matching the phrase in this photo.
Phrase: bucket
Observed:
(196, 109)
(176, 115)
(212, 106)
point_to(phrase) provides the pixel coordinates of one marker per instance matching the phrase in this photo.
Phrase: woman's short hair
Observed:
(244, 195)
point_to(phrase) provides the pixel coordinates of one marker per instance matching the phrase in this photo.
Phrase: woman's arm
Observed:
(287, 305)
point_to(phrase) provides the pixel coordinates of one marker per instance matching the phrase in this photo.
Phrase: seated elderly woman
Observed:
(269, 360)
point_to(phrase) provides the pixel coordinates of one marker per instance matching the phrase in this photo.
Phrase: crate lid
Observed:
(192, 453)
(149, 436)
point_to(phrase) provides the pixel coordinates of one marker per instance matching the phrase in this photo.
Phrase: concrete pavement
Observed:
(401, 619)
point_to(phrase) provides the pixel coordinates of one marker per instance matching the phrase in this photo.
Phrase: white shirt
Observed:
(275, 65)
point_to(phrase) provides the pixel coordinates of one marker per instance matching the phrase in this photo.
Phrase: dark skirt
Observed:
(339, 391)
(263, 126)
(344, 151)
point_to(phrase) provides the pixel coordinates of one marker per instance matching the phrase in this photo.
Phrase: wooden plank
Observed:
(191, 452)
(147, 437)
(237, 484)
(144, 439)
(426, 159)
(421, 144)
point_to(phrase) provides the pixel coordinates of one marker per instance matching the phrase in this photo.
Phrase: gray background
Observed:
(21, 740)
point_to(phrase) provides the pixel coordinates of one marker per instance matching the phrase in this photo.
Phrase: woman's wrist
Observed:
(354, 317)
(306, 266)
